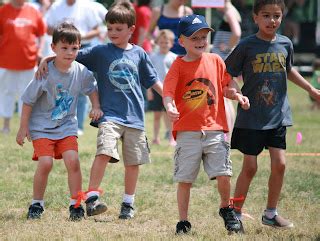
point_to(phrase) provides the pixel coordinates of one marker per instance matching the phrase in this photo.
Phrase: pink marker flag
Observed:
(299, 138)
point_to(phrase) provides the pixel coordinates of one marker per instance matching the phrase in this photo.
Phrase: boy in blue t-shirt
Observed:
(122, 70)
(265, 62)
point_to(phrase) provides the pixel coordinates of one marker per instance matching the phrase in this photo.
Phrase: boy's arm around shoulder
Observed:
(233, 92)
(295, 77)
(43, 67)
(23, 131)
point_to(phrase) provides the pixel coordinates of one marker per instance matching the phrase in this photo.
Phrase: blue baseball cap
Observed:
(190, 24)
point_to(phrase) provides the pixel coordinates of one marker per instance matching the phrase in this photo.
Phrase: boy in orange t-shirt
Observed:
(193, 97)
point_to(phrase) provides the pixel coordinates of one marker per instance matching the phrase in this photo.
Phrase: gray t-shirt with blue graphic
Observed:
(54, 101)
(120, 75)
(264, 66)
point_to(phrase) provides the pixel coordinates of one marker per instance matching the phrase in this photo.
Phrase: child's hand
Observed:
(173, 114)
(243, 101)
(315, 93)
(229, 93)
(23, 133)
(42, 69)
(95, 114)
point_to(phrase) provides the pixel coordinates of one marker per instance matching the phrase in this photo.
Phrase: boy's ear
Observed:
(180, 41)
(132, 28)
(52, 47)
(254, 17)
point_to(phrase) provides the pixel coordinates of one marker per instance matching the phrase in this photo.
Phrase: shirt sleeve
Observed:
(289, 60)
(234, 62)
(225, 77)
(87, 57)
(89, 84)
(171, 80)
(147, 72)
(33, 91)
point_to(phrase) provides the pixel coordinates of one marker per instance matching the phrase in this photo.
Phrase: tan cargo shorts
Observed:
(135, 148)
(194, 146)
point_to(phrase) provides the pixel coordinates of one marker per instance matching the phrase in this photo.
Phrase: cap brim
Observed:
(191, 32)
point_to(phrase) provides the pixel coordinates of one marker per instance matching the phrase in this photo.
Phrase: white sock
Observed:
(73, 201)
(128, 199)
(93, 193)
(270, 212)
(38, 201)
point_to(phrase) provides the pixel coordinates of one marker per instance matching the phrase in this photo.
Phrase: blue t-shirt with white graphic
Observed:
(264, 66)
(120, 75)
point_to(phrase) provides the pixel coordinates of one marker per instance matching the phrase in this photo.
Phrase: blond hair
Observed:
(166, 33)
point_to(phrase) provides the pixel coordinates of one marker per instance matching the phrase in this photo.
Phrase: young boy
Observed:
(162, 60)
(193, 98)
(49, 118)
(265, 61)
(122, 70)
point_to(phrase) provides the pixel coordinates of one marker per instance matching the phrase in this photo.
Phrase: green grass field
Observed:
(156, 207)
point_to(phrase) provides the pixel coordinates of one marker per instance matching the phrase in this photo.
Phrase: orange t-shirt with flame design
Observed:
(197, 89)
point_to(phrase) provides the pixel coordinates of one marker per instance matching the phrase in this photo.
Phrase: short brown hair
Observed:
(66, 32)
(259, 4)
(121, 12)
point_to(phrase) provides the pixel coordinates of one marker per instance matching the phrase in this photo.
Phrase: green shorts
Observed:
(135, 148)
(194, 146)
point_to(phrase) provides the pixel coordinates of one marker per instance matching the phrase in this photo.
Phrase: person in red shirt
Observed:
(21, 29)
(193, 94)
(143, 17)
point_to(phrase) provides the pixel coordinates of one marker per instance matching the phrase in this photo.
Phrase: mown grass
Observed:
(156, 214)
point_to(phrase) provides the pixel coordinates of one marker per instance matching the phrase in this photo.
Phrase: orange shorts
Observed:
(54, 148)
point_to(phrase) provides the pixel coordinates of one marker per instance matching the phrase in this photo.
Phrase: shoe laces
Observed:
(230, 215)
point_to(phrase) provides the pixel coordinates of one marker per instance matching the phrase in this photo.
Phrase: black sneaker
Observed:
(76, 214)
(94, 207)
(35, 211)
(127, 211)
(183, 227)
(231, 222)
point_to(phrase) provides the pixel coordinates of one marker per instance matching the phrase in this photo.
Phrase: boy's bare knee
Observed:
(250, 172)
(45, 166)
(279, 168)
(102, 159)
(223, 179)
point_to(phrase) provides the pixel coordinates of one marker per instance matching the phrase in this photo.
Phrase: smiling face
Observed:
(119, 34)
(65, 52)
(195, 45)
(268, 20)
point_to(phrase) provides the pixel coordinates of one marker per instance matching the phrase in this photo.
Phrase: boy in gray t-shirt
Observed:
(265, 62)
(49, 118)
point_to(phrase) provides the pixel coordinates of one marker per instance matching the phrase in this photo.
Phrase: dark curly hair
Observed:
(259, 4)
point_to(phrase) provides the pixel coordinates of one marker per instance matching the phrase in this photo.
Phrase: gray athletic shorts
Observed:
(194, 146)
(135, 149)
